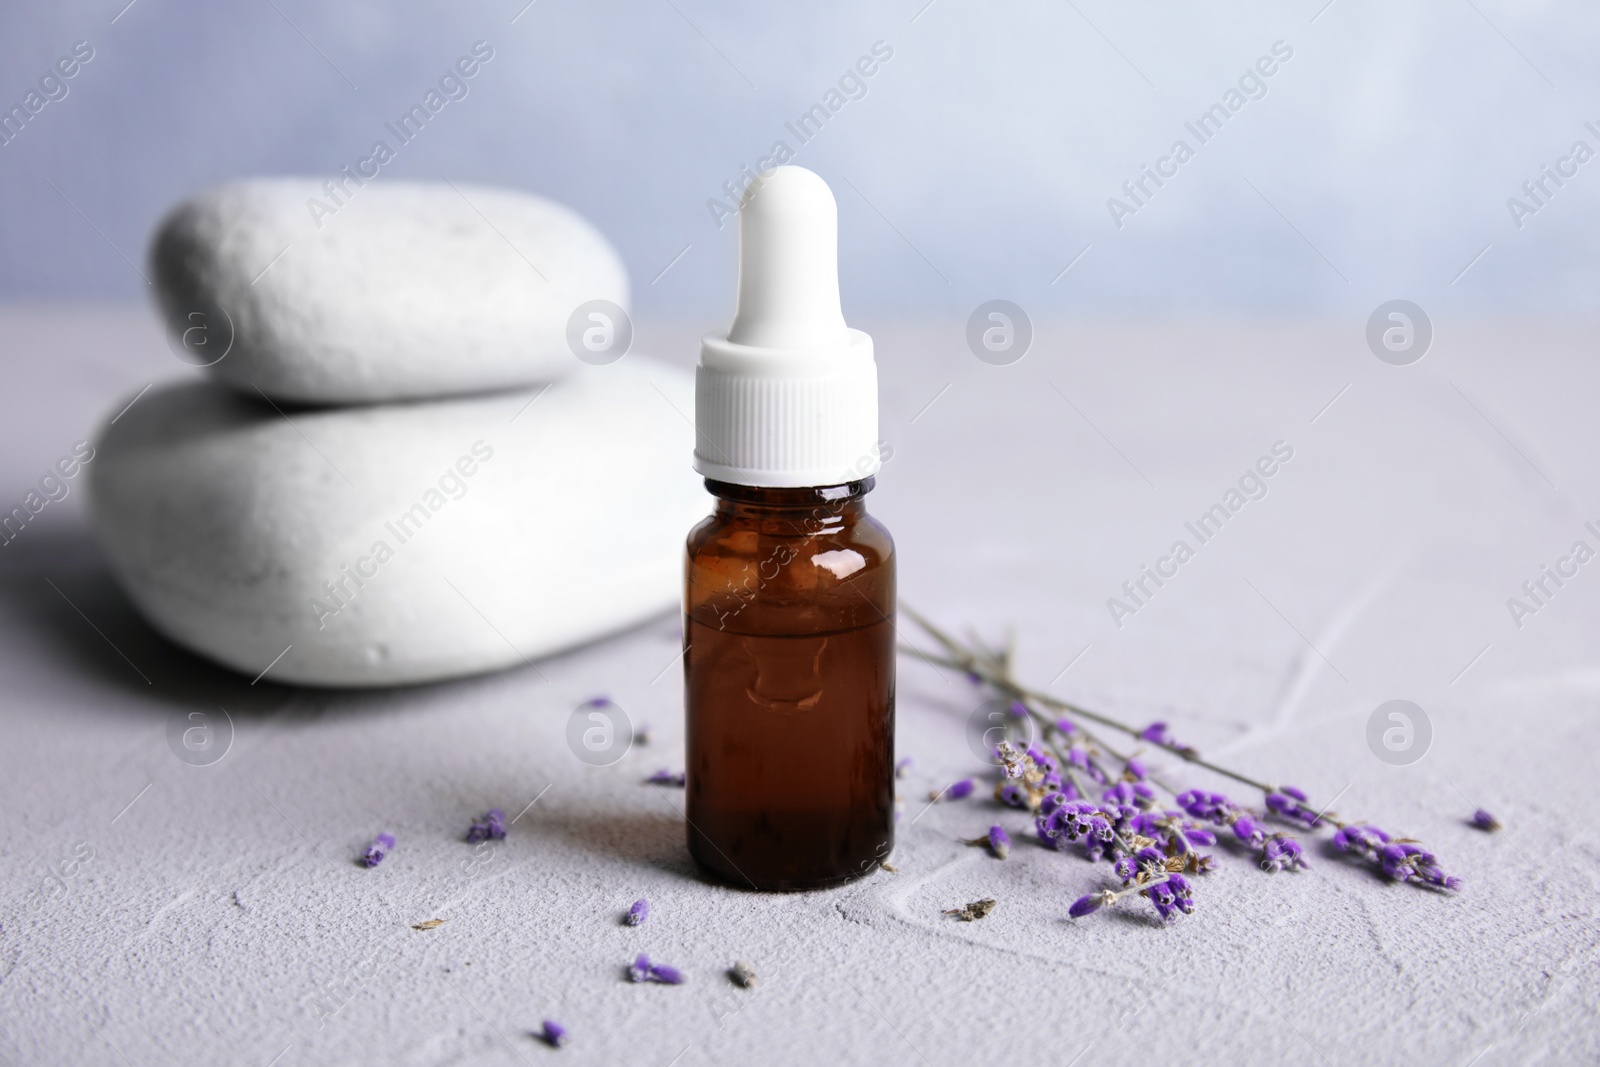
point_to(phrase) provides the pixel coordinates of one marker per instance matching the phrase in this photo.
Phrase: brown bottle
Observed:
(789, 686)
(789, 607)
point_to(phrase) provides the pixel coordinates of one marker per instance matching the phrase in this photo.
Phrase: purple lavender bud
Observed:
(553, 1033)
(1156, 734)
(902, 767)
(1249, 831)
(1012, 795)
(1018, 709)
(378, 849)
(1136, 768)
(1121, 793)
(639, 971)
(1126, 869)
(1282, 854)
(1197, 836)
(1182, 892)
(660, 972)
(666, 777)
(596, 702)
(1087, 905)
(638, 913)
(1065, 726)
(492, 825)
(1484, 821)
(1292, 791)
(961, 790)
(1289, 807)
(1164, 900)
(974, 678)
(999, 842)
(1149, 857)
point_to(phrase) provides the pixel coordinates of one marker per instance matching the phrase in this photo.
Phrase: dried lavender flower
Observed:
(378, 849)
(1484, 821)
(642, 970)
(973, 911)
(666, 777)
(552, 1033)
(1091, 903)
(1289, 804)
(638, 913)
(955, 791)
(996, 841)
(1156, 733)
(666, 975)
(491, 826)
(743, 974)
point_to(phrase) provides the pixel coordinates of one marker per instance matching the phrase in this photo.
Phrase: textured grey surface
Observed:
(222, 917)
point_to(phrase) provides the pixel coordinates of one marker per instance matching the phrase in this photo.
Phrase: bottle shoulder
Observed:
(783, 576)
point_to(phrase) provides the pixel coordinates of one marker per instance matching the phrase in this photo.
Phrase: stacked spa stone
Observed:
(396, 469)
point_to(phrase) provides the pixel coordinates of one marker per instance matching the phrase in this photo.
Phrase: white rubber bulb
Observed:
(789, 264)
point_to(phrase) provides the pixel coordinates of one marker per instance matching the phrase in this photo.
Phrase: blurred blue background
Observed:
(977, 164)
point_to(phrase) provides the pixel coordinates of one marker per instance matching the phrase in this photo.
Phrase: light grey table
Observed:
(221, 917)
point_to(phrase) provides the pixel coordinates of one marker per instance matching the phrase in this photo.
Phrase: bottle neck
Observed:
(808, 510)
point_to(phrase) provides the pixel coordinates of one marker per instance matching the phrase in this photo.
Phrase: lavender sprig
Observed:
(1129, 825)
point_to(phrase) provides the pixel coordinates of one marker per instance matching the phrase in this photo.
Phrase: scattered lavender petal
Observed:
(1018, 709)
(1484, 821)
(961, 790)
(596, 702)
(902, 767)
(491, 826)
(1156, 733)
(666, 975)
(642, 970)
(1088, 905)
(999, 842)
(666, 777)
(378, 849)
(1065, 726)
(638, 913)
(553, 1033)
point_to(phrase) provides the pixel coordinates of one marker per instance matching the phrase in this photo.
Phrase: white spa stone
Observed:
(401, 543)
(404, 290)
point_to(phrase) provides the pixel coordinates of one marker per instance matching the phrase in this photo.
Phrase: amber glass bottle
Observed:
(789, 686)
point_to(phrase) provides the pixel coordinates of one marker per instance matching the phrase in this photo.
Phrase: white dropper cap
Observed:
(789, 396)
